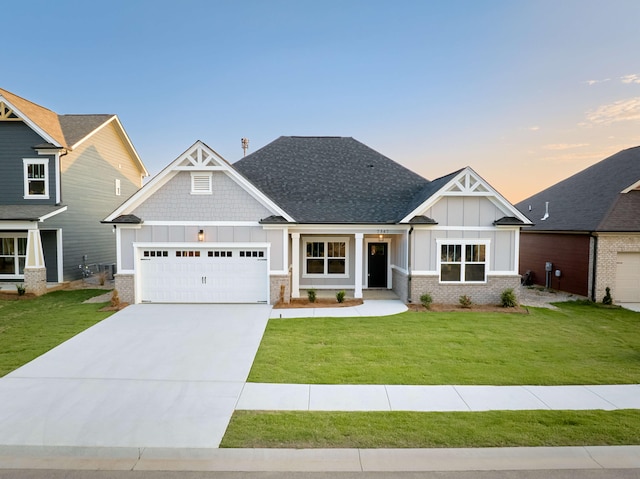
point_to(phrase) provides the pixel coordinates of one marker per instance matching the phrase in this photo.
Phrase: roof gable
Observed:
(198, 158)
(463, 183)
(583, 201)
(331, 180)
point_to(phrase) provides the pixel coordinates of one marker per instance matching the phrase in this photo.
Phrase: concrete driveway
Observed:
(149, 376)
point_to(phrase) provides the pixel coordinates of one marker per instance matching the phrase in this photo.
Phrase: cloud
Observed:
(623, 110)
(633, 78)
(595, 82)
(564, 146)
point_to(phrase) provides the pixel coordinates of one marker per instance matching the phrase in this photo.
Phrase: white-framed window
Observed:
(36, 178)
(118, 187)
(463, 261)
(13, 254)
(326, 257)
(202, 183)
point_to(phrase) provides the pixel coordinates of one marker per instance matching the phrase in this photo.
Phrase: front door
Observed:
(377, 265)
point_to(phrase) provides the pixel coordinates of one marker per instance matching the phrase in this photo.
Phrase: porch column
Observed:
(35, 272)
(295, 267)
(359, 240)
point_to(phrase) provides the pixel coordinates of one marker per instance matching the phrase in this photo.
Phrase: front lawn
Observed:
(31, 327)
(581, 343)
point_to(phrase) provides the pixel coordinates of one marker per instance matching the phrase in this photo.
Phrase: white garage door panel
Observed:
(627, 278)
(240, 276)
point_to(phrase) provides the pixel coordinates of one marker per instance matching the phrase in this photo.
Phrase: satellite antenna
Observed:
(245, 145)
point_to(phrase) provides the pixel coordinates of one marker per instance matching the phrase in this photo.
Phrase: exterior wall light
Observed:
(201, 235)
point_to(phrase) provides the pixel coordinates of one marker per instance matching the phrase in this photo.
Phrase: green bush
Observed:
(340, 296)
(311, 294)
(21, 289)
(508, 299)
(607, 297)
(426, 300)
(465, 301)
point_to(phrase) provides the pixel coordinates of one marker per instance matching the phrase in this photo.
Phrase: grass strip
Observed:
(302, 429)
(31, 327)
(582, 343)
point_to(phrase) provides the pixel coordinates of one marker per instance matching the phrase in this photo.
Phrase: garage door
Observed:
(211, 275)
(627, 278)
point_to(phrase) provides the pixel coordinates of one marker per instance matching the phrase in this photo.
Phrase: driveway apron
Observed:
(149, 376)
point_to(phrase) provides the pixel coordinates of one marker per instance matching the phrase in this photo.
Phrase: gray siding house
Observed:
(59, 176)
(312, 212)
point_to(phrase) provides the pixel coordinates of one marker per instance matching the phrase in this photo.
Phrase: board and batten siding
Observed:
(88, 189)
(227, 202)
(17, 141)
(189, 234)
(465, 211)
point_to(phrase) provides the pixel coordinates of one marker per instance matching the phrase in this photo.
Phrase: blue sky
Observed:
(524, 92)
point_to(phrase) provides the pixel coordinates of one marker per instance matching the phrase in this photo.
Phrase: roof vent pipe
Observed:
(546, 211)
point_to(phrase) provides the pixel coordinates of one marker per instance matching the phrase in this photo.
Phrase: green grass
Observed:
(417, 430)
(582, 343)
(29, 328)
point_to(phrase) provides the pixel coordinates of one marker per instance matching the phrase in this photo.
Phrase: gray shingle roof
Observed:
(333, 180)
(591, 200)
(27, 212)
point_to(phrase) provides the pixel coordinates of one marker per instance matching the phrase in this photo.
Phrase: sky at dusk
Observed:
(525, 92)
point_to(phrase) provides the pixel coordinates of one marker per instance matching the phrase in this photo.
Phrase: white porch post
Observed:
(358, 291)
(295, 267)
(35, 272)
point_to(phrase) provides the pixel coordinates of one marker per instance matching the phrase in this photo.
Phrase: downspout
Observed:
(595, 266)
(409, 265)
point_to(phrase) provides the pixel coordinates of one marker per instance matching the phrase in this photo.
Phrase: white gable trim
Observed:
(468, 183)
(199, 157)
(45, 136)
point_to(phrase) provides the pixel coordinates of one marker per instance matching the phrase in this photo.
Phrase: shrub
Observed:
(311, 294)
(21, 289)
(607, 297)
(465, 301)
(340, 296)
(508, 298)
(426, 300)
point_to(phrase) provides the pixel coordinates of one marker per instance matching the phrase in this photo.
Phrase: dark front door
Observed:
(377, 265)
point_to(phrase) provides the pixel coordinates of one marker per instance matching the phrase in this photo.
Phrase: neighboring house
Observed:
(59, 176)
(312, 212)
(588, 229)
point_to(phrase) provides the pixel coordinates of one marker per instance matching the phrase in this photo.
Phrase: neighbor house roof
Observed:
(332, 180)
(591, 200)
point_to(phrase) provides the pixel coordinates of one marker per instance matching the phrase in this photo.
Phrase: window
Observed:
(201, 183)
(13, 254)
(118, 189)
(36, 178)
(326, 257)
(463, 263)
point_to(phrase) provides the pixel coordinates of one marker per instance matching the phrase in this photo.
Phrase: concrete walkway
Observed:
(378, 307)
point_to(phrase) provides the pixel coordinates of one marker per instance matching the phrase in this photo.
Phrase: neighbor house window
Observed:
(36, 178)
(463, 263)
(201, 183)
(13, 254)
(118, 187)
(326, 257)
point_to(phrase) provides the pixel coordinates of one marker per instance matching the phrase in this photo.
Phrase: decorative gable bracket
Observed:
(200, 158)
(467, 184)
(7, 114)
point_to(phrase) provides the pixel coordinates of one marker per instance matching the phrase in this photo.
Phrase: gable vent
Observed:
(201, 183)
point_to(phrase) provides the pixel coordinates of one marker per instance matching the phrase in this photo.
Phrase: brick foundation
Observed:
(125, 285)
(35, 281)
(487, 293)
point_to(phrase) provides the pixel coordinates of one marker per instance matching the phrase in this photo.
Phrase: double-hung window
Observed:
(464, 262)
(326, 257)
(36, 178)
(13, 254)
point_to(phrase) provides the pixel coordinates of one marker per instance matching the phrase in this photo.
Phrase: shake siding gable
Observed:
(228, 202)
(88, 188)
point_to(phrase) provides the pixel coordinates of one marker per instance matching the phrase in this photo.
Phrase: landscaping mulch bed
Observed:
(319, 303)
(485, 308)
